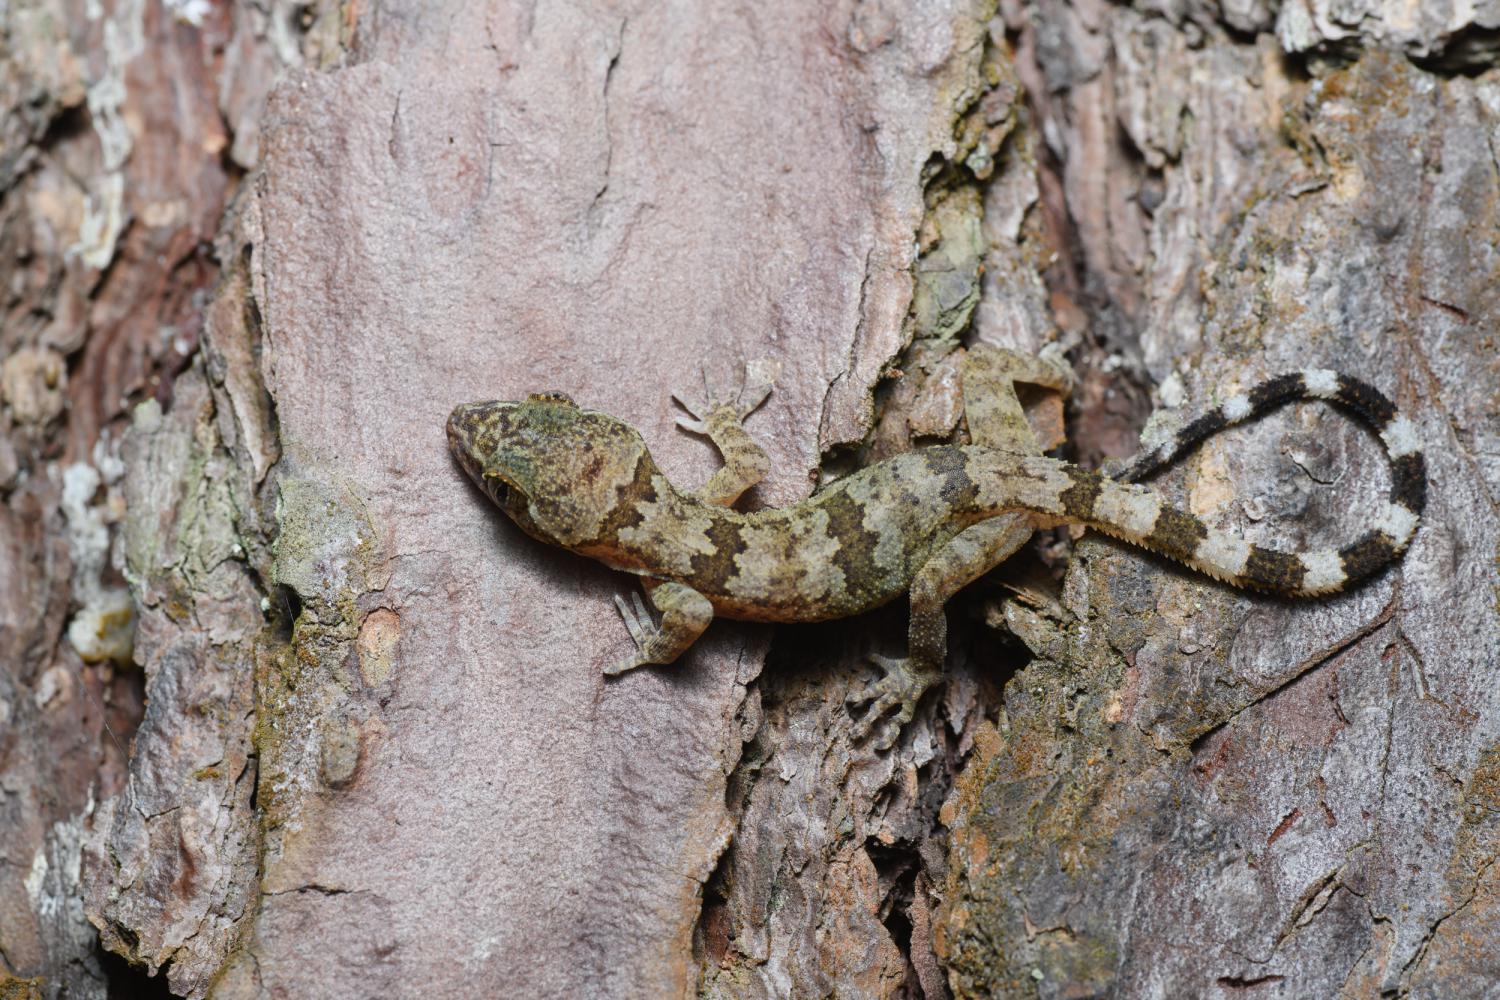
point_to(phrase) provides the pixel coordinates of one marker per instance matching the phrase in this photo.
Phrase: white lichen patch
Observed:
(104, 629)
(37, 876)
(189, 11)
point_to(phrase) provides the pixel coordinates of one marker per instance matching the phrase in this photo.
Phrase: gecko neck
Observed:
(657, 530)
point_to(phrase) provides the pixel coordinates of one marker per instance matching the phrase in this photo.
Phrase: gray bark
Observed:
(1194, 792)
(261, 252)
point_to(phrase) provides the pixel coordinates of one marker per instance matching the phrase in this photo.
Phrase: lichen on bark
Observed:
(1189, 751)
(370, 741)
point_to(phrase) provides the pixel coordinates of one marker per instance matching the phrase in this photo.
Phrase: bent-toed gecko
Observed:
(924, 523)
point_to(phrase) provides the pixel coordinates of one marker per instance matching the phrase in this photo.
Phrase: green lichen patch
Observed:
(310, 692)
(947, 272)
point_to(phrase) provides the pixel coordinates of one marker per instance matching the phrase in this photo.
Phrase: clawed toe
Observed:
(875, 690)
(697, 411)
(629, 663)
(642, 628)
(638, 620)
(749, 398)
(742, 401)
(901, 689)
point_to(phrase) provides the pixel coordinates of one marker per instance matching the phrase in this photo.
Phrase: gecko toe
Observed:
(750, 400)
(900, 689)
(628, 616)
(627, 664)
(752, 386)
(684, 400)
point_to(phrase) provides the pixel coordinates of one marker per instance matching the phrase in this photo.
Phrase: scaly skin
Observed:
(925, 523)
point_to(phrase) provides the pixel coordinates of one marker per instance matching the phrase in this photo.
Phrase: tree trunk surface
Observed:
(289, 709)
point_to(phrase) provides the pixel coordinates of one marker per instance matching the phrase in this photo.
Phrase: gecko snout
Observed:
(458, 423)
(465, 428)
(477, 433)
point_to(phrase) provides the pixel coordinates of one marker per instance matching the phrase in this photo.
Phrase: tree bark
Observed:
(287, 708)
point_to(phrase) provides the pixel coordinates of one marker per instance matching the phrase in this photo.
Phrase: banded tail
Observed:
(1137, 514)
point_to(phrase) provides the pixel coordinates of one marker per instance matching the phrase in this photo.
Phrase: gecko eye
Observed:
(500, 490)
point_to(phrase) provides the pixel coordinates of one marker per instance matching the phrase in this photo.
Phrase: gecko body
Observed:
(922, 524)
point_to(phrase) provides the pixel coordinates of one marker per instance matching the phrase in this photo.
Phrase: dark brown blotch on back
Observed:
(1278, 572)
(713, 570)
(1176, 534)
(958, 490)
(627, 510)
(855, 555)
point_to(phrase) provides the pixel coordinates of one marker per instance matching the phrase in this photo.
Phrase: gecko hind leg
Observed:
(997, 420)
(991, 407)
(969, 555)
(685, 613)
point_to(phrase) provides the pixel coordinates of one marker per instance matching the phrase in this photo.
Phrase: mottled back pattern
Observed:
(924, 523)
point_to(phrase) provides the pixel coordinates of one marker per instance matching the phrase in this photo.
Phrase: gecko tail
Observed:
(1138, 515)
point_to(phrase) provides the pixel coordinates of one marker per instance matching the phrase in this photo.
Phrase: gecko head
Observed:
(559, 471)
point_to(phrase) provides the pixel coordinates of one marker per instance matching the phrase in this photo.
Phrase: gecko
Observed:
(922, 524)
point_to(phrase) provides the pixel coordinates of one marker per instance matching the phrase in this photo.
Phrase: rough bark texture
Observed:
(255, 252)
(126, 127)
(1195, 792)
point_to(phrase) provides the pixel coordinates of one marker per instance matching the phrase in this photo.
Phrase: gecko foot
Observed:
(901, 688)
(642, 627)
(754, 386)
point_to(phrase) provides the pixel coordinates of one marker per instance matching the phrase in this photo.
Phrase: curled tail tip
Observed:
(1228, 556)
(1396, 432)
(1400, 438)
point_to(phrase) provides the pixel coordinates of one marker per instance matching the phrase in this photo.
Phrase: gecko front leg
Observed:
(722, 419)
(685, 613)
